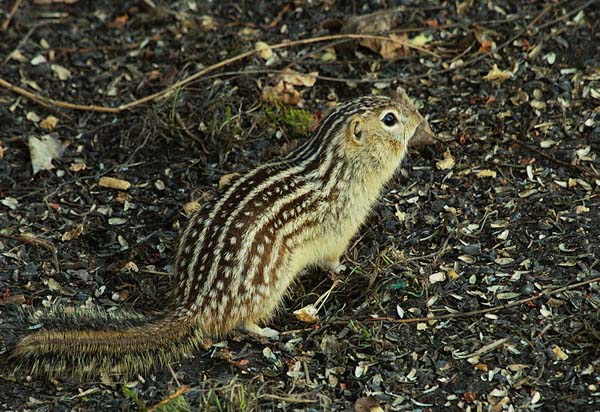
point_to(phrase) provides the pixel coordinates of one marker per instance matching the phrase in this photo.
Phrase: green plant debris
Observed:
(293, 120)
(129, 393)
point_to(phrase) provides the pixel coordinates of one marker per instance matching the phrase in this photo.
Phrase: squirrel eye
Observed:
(389, 119)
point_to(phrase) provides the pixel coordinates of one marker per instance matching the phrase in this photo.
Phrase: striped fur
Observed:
(240, 252)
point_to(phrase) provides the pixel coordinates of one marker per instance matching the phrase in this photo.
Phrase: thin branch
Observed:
(335, 37)
(10, 16)
(169, 398)
(568, 14)
(545, 293)
(290, 399)
(46, 244)
(555, 160)
(45, 101)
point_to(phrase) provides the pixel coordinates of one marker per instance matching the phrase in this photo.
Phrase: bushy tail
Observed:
(83, 343)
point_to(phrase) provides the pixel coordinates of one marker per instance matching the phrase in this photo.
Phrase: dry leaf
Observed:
(377, 22)
(447, 162)
(392, 49)
(43, 150)
(122, 197)
(73, 233)
(559, 353)
(299, 79)
(77, 167)
(307, 314)
(281, 93)
(452, 274)
(49, 123)
(113, 183)
(130, 267)
(498, 76)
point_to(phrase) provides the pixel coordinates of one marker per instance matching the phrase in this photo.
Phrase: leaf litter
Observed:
(510, 90)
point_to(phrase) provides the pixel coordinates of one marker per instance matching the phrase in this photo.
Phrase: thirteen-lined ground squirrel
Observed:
(240, 251)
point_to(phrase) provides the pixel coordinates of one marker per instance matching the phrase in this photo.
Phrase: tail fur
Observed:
(81, 343)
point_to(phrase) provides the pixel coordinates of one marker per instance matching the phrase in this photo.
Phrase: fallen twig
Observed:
(10, 16)
(46, 244)
(498, 308)
(290, 399)
(169, 398)
(554, 159)
(45, 101)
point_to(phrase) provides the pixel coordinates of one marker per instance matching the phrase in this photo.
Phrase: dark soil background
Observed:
(503, 207)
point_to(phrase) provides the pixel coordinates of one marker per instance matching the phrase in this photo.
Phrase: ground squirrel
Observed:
(240, 251)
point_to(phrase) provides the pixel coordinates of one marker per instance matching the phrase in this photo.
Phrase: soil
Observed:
(477, 232)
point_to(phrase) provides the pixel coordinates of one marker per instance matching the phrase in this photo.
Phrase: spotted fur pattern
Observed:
(240, 251)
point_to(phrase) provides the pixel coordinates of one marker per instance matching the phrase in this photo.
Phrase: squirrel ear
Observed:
(355, 130)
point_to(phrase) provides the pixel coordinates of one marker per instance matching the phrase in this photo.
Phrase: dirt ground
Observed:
(499, 218)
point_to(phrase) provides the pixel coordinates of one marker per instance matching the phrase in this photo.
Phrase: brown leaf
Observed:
(470, 397)
(447, 162)
(77, 166)
(49, 123)
(299, 79)
(307, 314)
(73, 233)
(281, 93)
(498, 76)
(390, 49)
(378, 22)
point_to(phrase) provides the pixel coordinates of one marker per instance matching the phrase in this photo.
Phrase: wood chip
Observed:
(114, 183)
